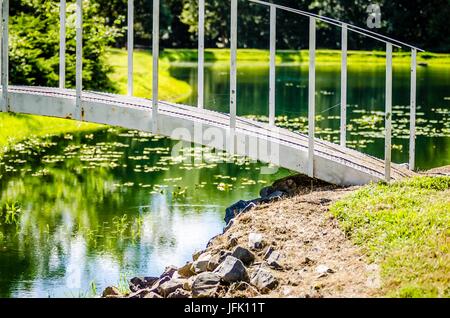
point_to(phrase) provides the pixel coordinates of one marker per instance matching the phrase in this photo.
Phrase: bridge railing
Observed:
(274, 8)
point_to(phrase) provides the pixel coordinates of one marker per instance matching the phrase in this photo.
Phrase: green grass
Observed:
(15, 128)
(170, 89)
(291, 56)
(404, 227)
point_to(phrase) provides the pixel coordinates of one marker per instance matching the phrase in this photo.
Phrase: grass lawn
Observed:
(170, 89)
(291, 56)
(405, 228)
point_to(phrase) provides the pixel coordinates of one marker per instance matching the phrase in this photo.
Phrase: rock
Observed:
(201, 264)
(138, 283)
(159, 282)
(263, 280)
(244, 255)
(239, 207)
(140, 293)
(179, 293)
(169, 271)
(269, 251)
(205, 285)
(185, 271)
(153, 295)
(275, 196)
(255, 241)
(266, 191)
(232, 270)
(110, 291)
(187, 285)
(197, 254)
(169, 287)
(274, 260)
(217, 259)
(324, 269)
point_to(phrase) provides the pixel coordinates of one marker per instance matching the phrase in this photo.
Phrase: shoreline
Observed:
(289, 247)
(264, 263)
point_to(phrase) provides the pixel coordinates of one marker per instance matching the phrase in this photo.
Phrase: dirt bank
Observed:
(309, 241)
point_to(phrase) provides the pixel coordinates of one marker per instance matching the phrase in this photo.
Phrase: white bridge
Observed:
(265, 142)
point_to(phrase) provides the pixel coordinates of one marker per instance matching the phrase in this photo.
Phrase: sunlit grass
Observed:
(15, 128)
(405, 227)
(170, 89)
(293, 56)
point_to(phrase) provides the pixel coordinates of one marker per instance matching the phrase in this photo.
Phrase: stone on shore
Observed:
(201, 264)
(186, 271)
(169, 271)
(244, 255)
(324, 269)
(169, 287)
(205, 285)
(274, 260)
(111, 292)
(138, 283)
(263, 280)
(255, 241)
(179, 293)
(152, 295)
(217, 259)
(232, 270)
(140, 293)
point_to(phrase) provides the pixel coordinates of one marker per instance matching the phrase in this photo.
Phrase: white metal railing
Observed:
(345, 28)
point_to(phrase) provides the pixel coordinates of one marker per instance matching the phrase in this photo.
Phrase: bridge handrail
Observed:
(338, 23)
(390, 43)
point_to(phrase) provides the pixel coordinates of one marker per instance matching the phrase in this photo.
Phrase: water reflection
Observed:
(100, 207)
(366, 88)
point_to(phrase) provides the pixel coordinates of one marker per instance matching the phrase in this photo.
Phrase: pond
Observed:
(90, 210)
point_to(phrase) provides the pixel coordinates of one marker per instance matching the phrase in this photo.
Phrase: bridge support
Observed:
(62, 44)
(130, 45)
(412, 118)
(311, 95)
(344, 86)
(233, 63)
(272, 72)
(79, 59)
(201, 54)
(155, 53)
(388, 114)
(5, 56)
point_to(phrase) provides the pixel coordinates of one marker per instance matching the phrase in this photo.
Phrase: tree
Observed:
(34, 44)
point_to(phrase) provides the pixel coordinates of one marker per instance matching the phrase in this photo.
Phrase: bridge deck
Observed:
(334, 163)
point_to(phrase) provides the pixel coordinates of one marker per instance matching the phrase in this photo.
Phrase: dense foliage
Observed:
(34, 57)
(420, 22)
(34, 44)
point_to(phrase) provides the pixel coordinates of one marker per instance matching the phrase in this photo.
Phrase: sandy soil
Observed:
(305, 234)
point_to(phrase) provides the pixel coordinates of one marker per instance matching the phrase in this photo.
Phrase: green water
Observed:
(91, 210)
(366, 87)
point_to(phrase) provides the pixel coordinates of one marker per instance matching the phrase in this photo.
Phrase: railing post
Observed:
(62, 44)
(130, 45)
(272, 72)
(201, 54)
(412, 119)
(233, 64)
(155, 53)
(344, 86)
(388, 114)
(79, 57)
(311, 95)
(5, 54)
